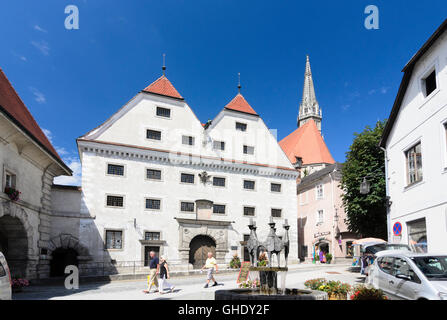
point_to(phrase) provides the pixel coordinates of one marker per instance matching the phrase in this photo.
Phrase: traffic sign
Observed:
(397, 229)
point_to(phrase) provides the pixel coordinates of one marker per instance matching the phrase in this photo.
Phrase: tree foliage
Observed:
(366, 213)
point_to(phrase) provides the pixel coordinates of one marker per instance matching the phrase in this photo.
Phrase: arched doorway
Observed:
(62, 257)
(199, 248)
(14, 245)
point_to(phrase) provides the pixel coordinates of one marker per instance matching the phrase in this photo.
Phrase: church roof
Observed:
(240, 104)
(164, 87)
(307, 143)
(14, 109)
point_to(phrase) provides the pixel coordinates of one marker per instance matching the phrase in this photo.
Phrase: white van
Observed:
(5, 279)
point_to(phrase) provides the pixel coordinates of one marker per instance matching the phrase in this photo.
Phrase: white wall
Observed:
(421, 119)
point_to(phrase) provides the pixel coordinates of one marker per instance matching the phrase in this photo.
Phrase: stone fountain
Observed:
(268, 275)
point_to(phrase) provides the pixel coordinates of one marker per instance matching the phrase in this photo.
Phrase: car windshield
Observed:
(384, 246)
(434, 267)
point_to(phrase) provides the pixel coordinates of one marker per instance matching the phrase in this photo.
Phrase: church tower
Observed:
(309, 108)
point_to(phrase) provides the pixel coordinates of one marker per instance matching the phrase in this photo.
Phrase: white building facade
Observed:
(155, 178)
(416, 150)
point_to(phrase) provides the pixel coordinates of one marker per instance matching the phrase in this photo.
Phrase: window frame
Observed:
(317, 195)
(187, 201)
(190, 138)
(153, 209)
(115, 175)
(154, 130)
(220, 214)
(188, 173)
(407, 162)
(248, 206)
(246, 147)
(162, 116)
(152, 232)
(219, 177)
(274, 217)
(115, 195)
(13, 174)
(248, 180)
(320, 222)
(105, 239)
(222, 143)
(241, 123)
(427, 74)
(274, 183)
(155, 169)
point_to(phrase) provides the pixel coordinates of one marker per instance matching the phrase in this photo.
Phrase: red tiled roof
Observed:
(240, 104)
(307, 143)
(16, 109)
(163, 87)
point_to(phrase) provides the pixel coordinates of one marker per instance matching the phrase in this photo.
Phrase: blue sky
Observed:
(72, 80)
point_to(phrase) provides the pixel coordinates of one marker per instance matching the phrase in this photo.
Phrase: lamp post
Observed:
(365, 186)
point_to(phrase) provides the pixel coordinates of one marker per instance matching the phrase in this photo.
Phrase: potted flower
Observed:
(328, 258)
(18, 284)
(362, 292)
(250, 284)
(235, 263)
(336, 290)
(314, 284)
(12, 193)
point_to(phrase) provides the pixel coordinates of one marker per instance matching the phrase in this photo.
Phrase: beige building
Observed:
(321, 216)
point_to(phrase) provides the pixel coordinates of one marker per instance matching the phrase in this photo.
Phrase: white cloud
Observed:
(42, 46)
(75, 180)
(61, 151)
(38, 28)
(345, 107)
(48, 134)
(38, 96)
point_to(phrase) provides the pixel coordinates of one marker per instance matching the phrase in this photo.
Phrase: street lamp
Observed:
(365, 186)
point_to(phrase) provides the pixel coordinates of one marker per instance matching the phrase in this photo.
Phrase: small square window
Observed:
(152, 236)
(219, 145)
(10, 180)
(218, 182)
(319, 189)
(249, 184)
(275, 187)
(249, 150)
(153, 204)
(430, 83)
(116, 170)
(320, 217)
(153, 174)
(187, 178)
(153, 134)
(188, 140)
(241, 126)
(115, 201)
(276, 213)
(163, 112)
(249, 211)
(219, 208)
(114, 239)
(187, 206)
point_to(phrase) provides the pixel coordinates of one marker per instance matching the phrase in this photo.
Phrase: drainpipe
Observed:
(388, 216)
(333, 222)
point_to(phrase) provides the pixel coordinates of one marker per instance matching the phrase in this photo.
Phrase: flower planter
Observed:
(334, 296)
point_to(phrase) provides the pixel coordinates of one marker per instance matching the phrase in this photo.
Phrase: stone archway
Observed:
(67, 250)
(17, 239)
(198, 250)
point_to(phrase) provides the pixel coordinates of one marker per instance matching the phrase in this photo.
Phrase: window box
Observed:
(12, 193)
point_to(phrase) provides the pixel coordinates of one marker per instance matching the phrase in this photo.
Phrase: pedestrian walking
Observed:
(164, 275)
(154, 265)
(210, 266)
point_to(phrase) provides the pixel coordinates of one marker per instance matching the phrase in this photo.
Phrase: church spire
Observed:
(309, 108)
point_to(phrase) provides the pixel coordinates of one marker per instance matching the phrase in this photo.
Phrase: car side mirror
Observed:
(403, 277)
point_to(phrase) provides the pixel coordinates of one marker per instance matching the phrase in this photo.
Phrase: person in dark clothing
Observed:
(164, 275)
(154, 265)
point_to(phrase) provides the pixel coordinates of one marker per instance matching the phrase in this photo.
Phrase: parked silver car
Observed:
(410, 276)
(5, 279)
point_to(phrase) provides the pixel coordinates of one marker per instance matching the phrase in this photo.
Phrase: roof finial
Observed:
(164, 66)
(239, 82)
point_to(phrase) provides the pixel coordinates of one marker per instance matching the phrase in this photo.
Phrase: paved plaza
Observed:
(186, 287)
